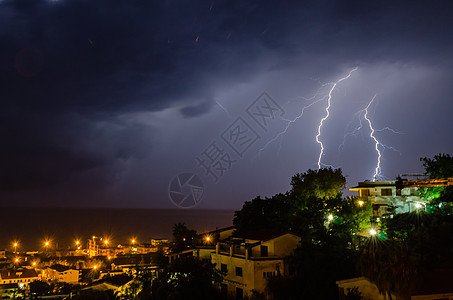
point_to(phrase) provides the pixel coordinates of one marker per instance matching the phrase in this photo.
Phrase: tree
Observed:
(439, 199)
(187, 278)
(183, 237)
(441, 166)
(40, 288)
(269, 213)
(324, 183)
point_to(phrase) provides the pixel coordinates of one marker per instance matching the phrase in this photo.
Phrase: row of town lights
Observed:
(77, 242)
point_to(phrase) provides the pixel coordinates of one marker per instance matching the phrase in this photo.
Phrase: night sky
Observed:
(103, 102)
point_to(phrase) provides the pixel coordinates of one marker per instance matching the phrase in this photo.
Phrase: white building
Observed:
(250, 259)
(385, 194)
(20, 276)
(61, 273)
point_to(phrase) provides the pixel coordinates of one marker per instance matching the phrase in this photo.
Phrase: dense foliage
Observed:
(417, 242)
(333, 246)
(328, 223)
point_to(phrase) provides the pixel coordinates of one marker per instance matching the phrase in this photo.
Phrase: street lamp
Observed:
(15, 247)
(46, 245)
(207, 239)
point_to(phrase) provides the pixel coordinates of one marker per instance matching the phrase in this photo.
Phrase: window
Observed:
(268, 274)
(224, 268)
(364, 192)
(239, 294)
(386, 192)
(264, 252)
(239, 271)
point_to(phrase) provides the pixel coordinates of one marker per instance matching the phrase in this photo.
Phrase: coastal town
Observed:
(248, 260)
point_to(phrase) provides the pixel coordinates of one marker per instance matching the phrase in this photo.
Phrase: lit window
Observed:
(364, 193)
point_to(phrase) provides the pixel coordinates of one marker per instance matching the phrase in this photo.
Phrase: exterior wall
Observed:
(284, 245)
(68, 276)
(255, 269)
(252, 272)
(18, 280)
(368, 289)
(404, 201)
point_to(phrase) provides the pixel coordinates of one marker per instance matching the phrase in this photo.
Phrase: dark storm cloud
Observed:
(198, 109)
(71, 70)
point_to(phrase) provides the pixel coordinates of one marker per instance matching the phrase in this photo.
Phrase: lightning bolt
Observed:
(377, 171)
(377, 143)
(329, 102)
(361, 115)
(289, 122)
(223, 108)
(355, 131)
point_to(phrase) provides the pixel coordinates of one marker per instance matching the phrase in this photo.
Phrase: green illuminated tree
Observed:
(439, 199)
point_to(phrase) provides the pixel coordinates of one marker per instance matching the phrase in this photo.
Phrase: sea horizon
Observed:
(63, 225)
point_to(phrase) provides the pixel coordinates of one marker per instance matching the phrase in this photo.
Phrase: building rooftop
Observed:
(60, 268)
(373, 184)
(18, 273)
(262, 234)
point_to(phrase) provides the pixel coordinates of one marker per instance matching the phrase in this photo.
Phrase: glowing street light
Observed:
(15, 246)
(207, 239)
(106, 242)
(373, 231)
(17, 259)
(330, 217)
(361, 203)
(418, 205)
(46, 245)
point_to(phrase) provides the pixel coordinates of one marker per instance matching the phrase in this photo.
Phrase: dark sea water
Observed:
(63, 226)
